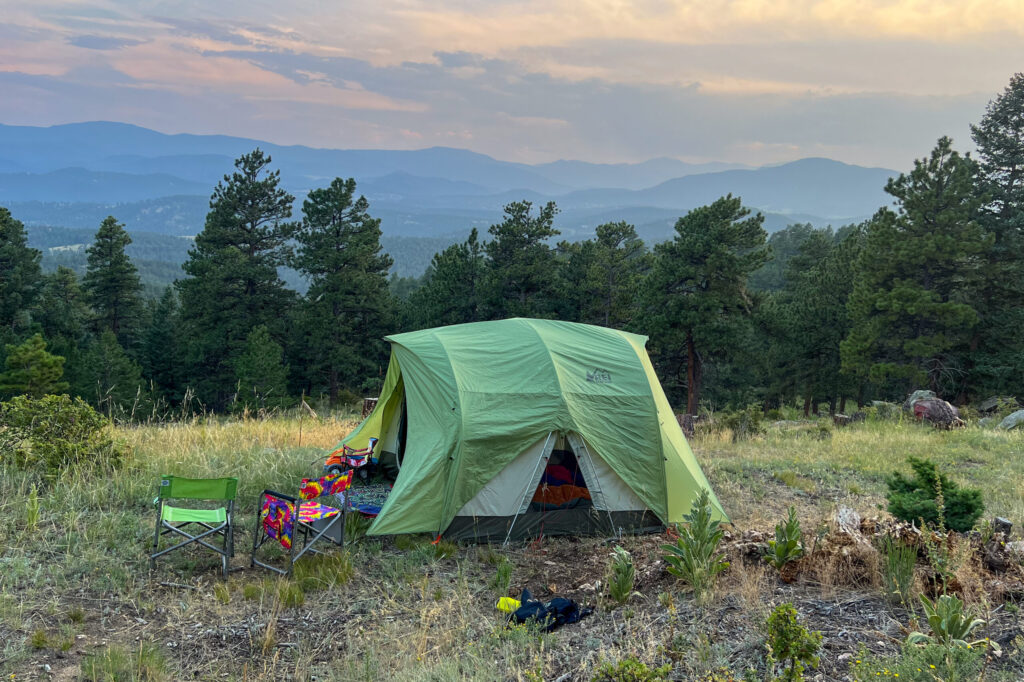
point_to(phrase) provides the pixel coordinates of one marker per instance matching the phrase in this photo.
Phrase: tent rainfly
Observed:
(520, 427)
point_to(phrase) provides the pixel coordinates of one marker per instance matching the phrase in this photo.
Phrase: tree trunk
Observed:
(692, 376)
(832, 406)
(334, 386)
(807, 404)
(842, 405)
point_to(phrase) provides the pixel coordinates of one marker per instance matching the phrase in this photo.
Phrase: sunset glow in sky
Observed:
(874, 82)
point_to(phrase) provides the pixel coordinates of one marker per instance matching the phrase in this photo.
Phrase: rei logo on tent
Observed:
(600, 376)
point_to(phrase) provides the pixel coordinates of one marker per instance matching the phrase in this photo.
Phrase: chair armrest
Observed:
(280, 496)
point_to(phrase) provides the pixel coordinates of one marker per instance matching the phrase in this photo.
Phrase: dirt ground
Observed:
(207, 635)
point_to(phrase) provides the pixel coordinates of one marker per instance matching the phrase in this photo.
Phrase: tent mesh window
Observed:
(562, 485)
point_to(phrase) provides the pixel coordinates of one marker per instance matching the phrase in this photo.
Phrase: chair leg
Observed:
(255, 540)
(156, 537)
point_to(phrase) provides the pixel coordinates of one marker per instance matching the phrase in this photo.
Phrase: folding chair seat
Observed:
(211, 522)
(281, 516)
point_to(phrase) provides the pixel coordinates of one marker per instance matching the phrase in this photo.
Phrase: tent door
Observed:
(531, 485)
(579, 447)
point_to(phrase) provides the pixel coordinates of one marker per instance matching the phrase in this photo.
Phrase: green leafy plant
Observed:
(920, 497)
(788, 543)
(53, 433)
(951, 625)
(898, 569)
(695, 557)
(621, 576)
(631, 670)
(791, 647)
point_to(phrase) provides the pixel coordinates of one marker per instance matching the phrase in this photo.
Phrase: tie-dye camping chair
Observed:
(281, 517)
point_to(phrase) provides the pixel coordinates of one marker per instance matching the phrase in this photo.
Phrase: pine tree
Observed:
(522, 270)
(31, 370)
(912, 307)
(695, 298)
(452, 289)
(606, 273)
(112, 285)
(813, 310)
(20, 277)
(160, 353)
(114, 379)
(348, 307)
(997, 361)
(63, 314)
(261, 373)
(233, 282)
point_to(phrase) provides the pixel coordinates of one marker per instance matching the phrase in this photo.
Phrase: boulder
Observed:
(996, 403)
(1013, 421)
(1001, 525)
(847, 419)
(937, 412)
(916, 397)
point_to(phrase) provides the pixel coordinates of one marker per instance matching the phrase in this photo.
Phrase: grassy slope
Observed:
(77, 582)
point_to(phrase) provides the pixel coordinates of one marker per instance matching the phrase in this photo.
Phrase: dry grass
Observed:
(75, 569)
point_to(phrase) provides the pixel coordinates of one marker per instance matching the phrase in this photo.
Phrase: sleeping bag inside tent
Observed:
(517, 428)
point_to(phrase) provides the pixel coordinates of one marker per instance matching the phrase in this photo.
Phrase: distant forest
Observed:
(272, 306)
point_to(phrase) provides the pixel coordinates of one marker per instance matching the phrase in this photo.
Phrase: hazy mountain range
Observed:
(72, 176)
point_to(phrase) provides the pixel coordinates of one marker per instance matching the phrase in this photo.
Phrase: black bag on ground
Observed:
(552, 615)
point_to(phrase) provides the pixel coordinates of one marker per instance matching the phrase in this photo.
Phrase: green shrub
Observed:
(788, 543)
(933, 497)
(695, 557)
(745, 423)
(53, 433)
(791, 648)
(621, 575)
(631, 670)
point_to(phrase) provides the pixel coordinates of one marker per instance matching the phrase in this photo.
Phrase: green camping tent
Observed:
(477, 417)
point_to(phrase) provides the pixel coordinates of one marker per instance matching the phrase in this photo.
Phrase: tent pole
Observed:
(586, 449)
(542, 457)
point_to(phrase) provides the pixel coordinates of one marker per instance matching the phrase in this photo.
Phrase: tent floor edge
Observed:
(586, 521)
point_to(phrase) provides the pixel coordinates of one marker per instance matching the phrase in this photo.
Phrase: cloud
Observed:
(754, 81)
(93, 42)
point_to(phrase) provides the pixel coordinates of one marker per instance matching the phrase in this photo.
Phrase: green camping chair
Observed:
(211, 522)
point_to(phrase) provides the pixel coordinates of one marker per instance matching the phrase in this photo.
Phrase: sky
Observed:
(871, 82)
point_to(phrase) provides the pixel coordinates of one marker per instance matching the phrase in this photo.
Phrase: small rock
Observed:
(848, 521)
(1001, 525)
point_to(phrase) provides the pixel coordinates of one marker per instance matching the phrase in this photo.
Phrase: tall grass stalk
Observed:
(898, 570)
